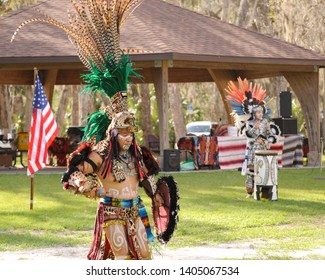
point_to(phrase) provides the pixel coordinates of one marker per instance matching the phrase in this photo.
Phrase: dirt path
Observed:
(80, 252)
(221, 251)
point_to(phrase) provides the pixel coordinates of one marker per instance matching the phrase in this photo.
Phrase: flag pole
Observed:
(43, 131)
(31, 203)
(31, 192)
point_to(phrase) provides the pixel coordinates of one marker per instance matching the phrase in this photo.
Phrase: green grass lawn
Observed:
(214, 210)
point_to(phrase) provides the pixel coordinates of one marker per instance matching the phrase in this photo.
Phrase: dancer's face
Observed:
(259, 115)
(124, 141)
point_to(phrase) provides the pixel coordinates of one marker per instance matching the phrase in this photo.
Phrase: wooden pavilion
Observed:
(170, 44)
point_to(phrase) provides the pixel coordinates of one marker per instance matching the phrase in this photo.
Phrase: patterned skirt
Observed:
(118, 211)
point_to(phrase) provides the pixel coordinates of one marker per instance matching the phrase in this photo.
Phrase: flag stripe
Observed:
(43, 130)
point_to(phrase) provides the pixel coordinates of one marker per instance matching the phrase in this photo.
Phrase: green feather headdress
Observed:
(98, 123)
(113, 79)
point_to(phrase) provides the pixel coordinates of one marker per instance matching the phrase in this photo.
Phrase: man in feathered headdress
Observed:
(253, 121)
(109, 164)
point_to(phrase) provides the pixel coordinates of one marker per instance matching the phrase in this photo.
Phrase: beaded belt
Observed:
(125, 203)
(117, 202)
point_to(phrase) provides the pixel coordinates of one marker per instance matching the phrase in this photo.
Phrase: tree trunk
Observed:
(62, 109)
(281, 85)
(189, 95)
(135, 95)
(5, 112)
(145, 113)
(3, 108)
(250, 23)
(105, 100)
(86, 106)
(225, 8)
(29, 94)
(219, 113)
(75, 120)
(175, 102)
(11, 93)
(242, 12)
(322, 74)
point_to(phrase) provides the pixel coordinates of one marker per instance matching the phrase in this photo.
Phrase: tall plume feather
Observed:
(94, 28)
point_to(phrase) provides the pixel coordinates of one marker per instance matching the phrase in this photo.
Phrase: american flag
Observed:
(42, 132)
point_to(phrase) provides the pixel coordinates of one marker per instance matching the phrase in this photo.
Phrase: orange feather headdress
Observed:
(246, 98)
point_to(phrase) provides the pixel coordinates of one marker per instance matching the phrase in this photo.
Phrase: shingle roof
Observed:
(36, 39)
(161, 27)
(156, 27)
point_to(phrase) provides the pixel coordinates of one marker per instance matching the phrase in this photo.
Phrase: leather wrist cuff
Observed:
(67, 174)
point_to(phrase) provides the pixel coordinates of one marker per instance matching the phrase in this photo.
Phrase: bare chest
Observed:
(127, 189)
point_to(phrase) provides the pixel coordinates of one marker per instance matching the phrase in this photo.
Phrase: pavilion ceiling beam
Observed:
(243, 66)
(221, 78)
(189, 75)
(17, 77)
(176, 75)
(69, 77)
(50, 64)
(251, 75)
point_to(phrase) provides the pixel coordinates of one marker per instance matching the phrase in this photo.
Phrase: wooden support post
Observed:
(221, 78)
(305, 86)
(49, 83)
(161, 87)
